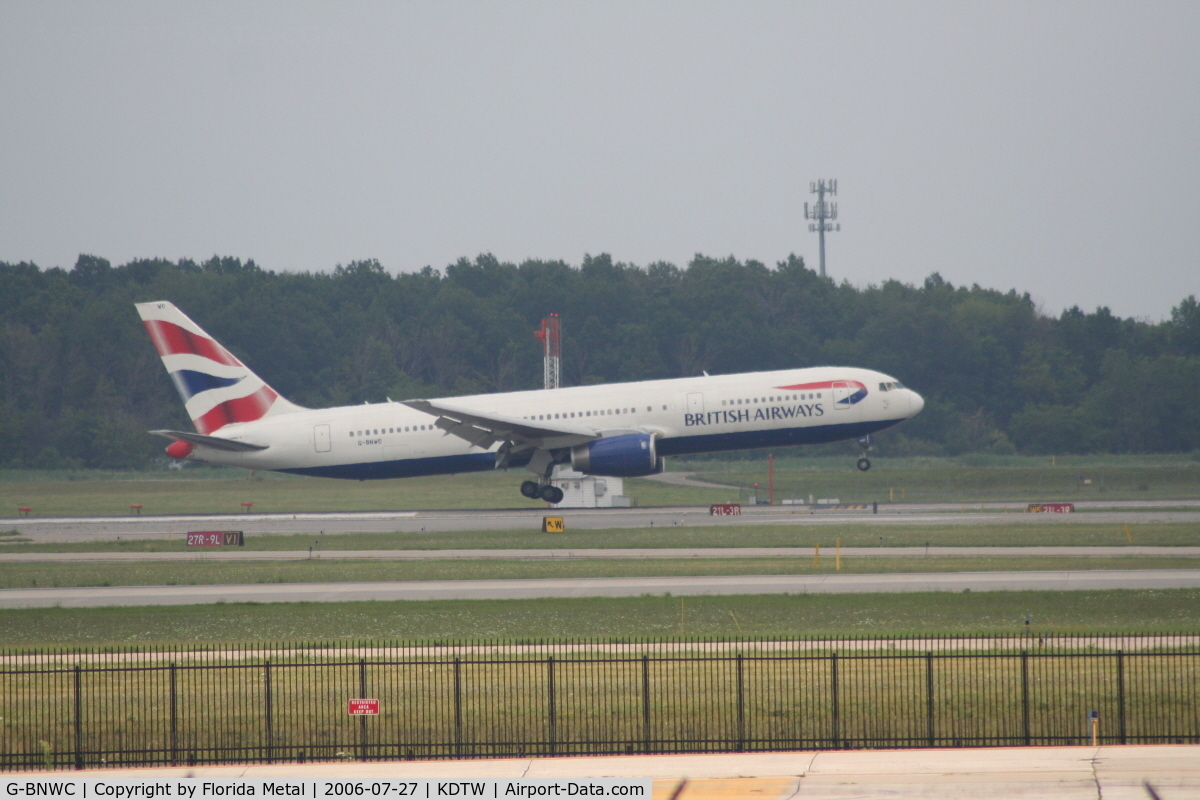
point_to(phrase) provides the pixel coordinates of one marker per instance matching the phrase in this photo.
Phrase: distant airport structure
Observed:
(822, 213)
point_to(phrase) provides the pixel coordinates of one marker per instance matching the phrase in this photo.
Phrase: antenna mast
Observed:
(822, 212)
(550, 337)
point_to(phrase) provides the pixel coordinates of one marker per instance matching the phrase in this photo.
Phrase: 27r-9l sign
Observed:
(215, 539)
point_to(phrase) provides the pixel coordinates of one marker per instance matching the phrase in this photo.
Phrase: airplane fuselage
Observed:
(684, 415)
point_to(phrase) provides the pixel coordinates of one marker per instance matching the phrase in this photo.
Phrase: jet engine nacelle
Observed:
(625, 456)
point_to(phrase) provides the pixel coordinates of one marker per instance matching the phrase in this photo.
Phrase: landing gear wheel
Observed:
(530, 489)
(864, 464)
(552, 494)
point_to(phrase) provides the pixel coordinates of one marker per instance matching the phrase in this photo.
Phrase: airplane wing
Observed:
(483, 429)
(215, 442)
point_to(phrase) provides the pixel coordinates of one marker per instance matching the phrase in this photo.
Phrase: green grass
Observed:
(964, 479)
(638, 618)
(316, 571)
(1022, 533)
(223, 492)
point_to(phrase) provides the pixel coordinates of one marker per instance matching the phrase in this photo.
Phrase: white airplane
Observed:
(618, 430)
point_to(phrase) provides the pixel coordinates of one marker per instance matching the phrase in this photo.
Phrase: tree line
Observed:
(80, 383)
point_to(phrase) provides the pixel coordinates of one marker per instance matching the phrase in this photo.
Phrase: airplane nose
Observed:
(915, 403)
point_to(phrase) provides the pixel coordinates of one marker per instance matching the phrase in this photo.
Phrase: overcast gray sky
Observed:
(1049, 147)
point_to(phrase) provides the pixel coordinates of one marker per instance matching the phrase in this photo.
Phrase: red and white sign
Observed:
(362, 708)
(725, 510)
(1052, 508)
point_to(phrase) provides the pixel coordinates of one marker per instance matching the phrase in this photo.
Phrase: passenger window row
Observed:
(382, 431)
(613, 411)
(573, 414)
(775, 399)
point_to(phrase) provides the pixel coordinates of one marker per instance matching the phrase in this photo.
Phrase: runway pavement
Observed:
(512, 589)
(1111, 772)
(74, 529)
(619, 553)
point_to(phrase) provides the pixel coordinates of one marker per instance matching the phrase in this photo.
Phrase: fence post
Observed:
(1025, 695)
(550, 691)
(362, 720)
(78, 718)
(267, 701)
(741, 705)
(457, 706)
(836, 724)
(929, 693)
(174, 719)
(1121, 695)
(645, 703)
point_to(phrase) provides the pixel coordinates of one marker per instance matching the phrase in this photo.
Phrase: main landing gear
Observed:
(534, 490)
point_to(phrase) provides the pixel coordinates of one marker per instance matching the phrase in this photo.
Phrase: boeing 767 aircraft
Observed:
(620, 430)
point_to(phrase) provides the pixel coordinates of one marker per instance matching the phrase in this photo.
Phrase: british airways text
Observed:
(732, 416)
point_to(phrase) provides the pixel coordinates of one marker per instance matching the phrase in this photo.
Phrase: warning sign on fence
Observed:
(361, 707)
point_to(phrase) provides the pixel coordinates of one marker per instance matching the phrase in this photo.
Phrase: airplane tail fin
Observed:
(215, 387)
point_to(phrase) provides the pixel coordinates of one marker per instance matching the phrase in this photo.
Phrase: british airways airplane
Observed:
(619, 430)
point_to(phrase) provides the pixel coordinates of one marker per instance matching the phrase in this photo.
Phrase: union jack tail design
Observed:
(215, 387)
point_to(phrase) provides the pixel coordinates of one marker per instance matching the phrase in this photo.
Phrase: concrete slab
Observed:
(1057, 773)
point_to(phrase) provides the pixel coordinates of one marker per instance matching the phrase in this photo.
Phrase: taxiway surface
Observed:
(513, 589)
(76, 529)
(581, 554)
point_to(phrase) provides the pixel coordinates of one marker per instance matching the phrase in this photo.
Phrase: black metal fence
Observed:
(289, 703)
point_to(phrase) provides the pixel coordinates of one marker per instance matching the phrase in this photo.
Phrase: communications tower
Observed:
(550, 337)
(822, 212)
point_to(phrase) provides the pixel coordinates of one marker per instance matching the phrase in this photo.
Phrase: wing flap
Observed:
(484, 430)
(476, 436)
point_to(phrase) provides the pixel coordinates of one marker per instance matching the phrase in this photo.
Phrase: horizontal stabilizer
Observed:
(215, 442)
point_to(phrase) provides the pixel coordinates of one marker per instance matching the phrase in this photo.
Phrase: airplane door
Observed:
(321, 438)
(841, 395)
(695, 404)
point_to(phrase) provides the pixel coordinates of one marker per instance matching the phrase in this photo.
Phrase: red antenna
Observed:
(550, 337)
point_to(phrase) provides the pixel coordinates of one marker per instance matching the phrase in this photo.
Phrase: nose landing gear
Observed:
(864, 446)
(533, 490)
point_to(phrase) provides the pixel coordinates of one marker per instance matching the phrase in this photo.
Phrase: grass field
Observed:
(776, 535)
(205, 491)
(638, 618)
(142, 708)
(318, 571)
(222, 491)
(966, 479)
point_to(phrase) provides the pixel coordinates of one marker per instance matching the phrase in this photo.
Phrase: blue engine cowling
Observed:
(625, 456)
